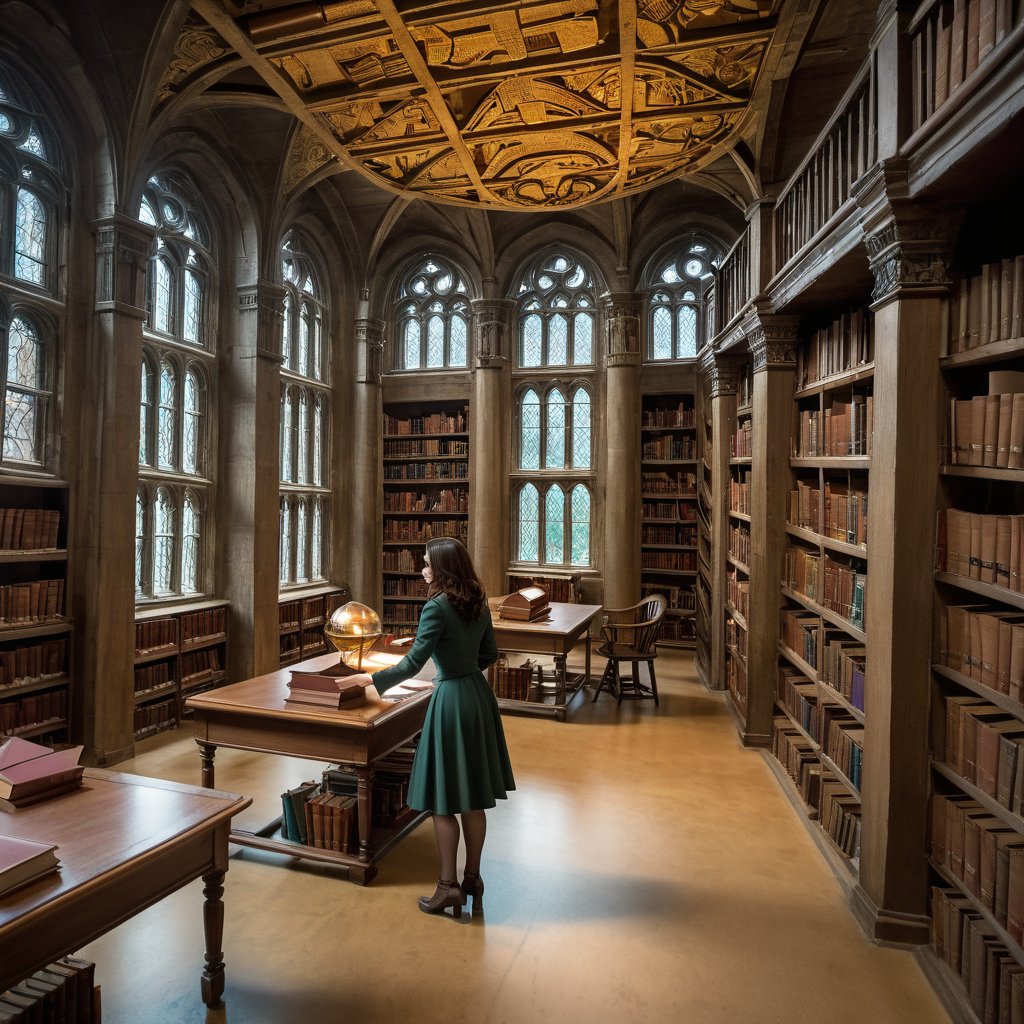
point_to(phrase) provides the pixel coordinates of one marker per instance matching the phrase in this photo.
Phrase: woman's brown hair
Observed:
(455, 576)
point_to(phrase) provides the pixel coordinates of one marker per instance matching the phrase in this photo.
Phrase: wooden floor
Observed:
(648, 869)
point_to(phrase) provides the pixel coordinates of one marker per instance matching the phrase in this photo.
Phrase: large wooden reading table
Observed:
(252, 715)
(556, 636)
(124, 842)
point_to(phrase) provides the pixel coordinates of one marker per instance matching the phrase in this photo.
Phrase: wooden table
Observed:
(556, 636)
(124, 842)
(253, 716)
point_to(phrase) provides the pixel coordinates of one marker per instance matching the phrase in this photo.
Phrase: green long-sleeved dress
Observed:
(461, 762)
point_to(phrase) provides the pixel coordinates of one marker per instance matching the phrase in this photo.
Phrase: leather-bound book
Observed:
(525, 605)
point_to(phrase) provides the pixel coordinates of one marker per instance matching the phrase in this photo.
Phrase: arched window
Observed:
(677, 283)
(305, 414)
(529, 523)
(431, 316)
(177, 391)
(556, 309)
(33, 200)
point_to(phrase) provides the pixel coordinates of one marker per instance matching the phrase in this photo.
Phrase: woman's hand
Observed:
(362, 678)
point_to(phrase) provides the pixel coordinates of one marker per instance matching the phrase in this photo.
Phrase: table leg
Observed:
(212, 982)
(586, 677)
(560, 676)
(207, 751)
(364, 803)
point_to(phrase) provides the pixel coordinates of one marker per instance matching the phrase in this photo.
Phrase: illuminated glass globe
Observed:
(353, 629)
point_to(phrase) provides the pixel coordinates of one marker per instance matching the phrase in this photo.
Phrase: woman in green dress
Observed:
(461, 765)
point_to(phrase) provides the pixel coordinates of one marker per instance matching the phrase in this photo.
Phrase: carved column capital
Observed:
(721, 373)
(265, 301)
(123, 247)
(370, 348)
(772, 341)
(622, 314)
(491, 321)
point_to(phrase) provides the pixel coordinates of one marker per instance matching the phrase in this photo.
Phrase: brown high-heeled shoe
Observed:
(447, 894)
(473, 886)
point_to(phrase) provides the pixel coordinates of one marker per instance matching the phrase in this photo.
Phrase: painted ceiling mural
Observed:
(520, 106)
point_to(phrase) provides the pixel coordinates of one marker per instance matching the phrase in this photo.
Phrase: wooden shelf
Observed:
(798, 662)
(47, 555)
(826, 613)
(856, 462)
(839, 546)
(405, 515)
(992, 696)
(837, 698)
(736, 614)
(854, 375)
(989, 590)
(424, 458)
(733, 560)
(27, 631)
(661, 430)
(741, 460)
(1015, 821)
(41, 728)
(156, 654)
(163, 690)
(742, 516)
(828, 763)
(984, 473)
(413, 437)
(993, 352)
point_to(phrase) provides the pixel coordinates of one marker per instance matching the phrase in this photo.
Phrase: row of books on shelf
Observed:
(681, 598)
(514, 682)
(843, 429)
(980, 850)
(669, 511)
(975, 953)
(403, 611)
(405, 588)
(842, 740)
(986, 548)
(410, 501)
(673, 561)
(676, 630)
(412, 530)
(38, 601)
(735, 636)
(156, 717)
(844, 345)
(669, 483)
(33, 710)
(433, 423)
(404, 560)
(984, 744)
(739, 542)
(799, 632)
(29, 529)
(27, 663)
(322, 820)
(204, 624)
(737, 589)
(685, 535)
(739, 494)
(989, 305)
(61, 993)
(988, 430)
(833, 585)
(845, 511)
(426, 448)
(670, 448)
(427, 471)
(838, 659)
(736, 678)
(201, 666)
(837, 809)
(155, 634)
(153, 676)
(680, 416)
(985, 644)
(741, 444)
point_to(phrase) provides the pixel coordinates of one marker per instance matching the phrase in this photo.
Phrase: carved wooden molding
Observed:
(721, 374)
(308, 154)
(370, 347)
(772, 340)
(906, 265)
(265, 301)
(123, 247)
(197, 46)
(491, 320)
(622, 315)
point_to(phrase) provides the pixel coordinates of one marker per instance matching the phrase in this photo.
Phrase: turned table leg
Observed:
(212, 982)
(206, 755)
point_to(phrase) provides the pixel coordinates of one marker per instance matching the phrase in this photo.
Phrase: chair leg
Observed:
(654, 682)
(618, 684)
(607, 682)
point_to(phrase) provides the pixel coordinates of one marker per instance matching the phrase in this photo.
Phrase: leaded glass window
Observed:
(529, 523)
(30, 237)
(554, 449)
(163, 544)
(529, 425)
(554, 525)
(167, 417)
(301, 551)
(677, 293)
(431, 316)
(26, 398)
(140, 541)
(580, 529)
(193, 412)
(286, 541)
(557, 298)
(316, 547)
(581, 429)
(145, 412)
(190, 535)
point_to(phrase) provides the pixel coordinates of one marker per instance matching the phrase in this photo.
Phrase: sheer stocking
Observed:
(446, 832)
(474, 828)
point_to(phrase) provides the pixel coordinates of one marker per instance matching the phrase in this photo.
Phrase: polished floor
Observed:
(648, 869)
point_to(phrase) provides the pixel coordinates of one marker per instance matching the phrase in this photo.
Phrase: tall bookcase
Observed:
(976, 826)
(668, 523)
(35, 634)
(426, 495)
(737, 603)
(301, 620)
(819, 727)
(705, 511)
(178, 653)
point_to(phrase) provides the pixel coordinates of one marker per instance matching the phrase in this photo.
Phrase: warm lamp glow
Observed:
(353, 629)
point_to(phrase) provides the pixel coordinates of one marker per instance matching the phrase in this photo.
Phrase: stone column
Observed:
(490, 443)
(908, 252)
(363, 489)
(772, 341)
(102, 601)
(248, 492)
(720, 372)
(621, 569)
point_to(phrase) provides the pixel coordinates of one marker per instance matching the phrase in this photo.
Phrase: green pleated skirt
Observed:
(461, 762)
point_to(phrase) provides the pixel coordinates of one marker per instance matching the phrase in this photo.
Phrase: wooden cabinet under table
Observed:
(252, 715)
(556, 636)
(124, 843)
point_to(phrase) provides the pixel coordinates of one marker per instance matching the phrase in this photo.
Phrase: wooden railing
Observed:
(733, 285)
(844, 151)
(951, 41)
(711, 314)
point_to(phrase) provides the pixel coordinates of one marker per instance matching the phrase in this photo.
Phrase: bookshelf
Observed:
(36, 694)
(976, 822)
(302, 616)
(669, 454)
(562, 587)
(426, 495)
(820, 709)
(179, 652)
(705, 534)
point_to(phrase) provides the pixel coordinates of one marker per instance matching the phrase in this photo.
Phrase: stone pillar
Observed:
(102, 601)
(363, 488)
(720, 372)
(772, 341)
(621, 569)
(249, 534)
(490, 443)
(908, 252)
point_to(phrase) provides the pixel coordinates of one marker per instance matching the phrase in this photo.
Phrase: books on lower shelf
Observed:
(61, 993)
(988, 430)
(989, 305)
(30, 772)
(986, 548)
(23, 861)
(986, 644)
(29, 529)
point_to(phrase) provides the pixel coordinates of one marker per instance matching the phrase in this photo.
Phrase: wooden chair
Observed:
(630, 634)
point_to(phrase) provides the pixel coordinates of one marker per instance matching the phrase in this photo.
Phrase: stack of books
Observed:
(30, 772)
(328, 689)
(526, 605)
(23, 861)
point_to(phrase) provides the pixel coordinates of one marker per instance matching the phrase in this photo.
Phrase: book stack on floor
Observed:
(30, 772)
(62, 993)
(320, 819)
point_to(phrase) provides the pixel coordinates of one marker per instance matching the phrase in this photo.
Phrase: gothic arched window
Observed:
(431, 316)
(676, 284)
(556, 310)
